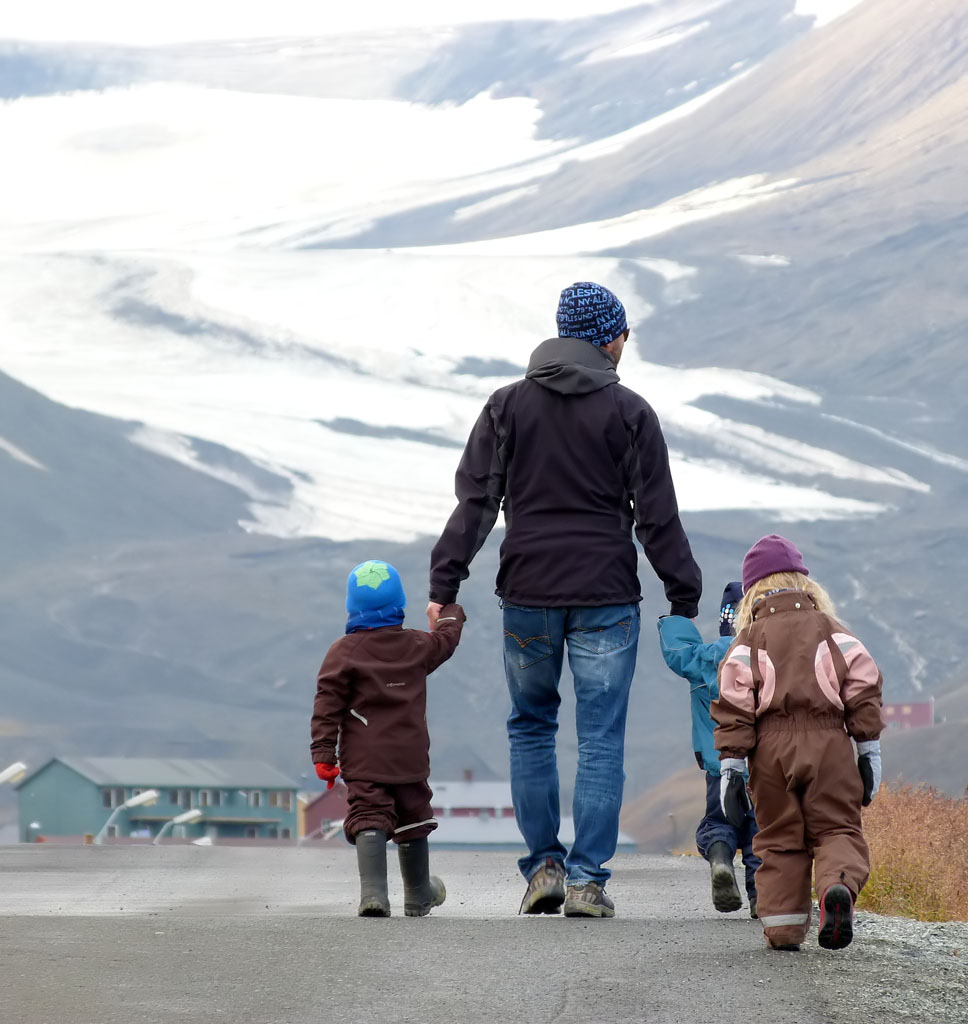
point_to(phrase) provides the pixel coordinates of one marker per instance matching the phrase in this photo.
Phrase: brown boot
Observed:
(588, 900)
(546, 889)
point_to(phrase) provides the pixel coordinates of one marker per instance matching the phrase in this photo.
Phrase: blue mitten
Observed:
(733, 797)
(869, 766)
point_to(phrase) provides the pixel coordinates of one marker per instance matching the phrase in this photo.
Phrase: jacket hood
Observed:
(571, 366)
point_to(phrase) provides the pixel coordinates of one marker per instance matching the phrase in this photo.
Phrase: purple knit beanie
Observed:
(768, 555)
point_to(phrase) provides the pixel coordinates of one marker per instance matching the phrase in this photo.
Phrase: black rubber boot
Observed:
(422, 891)
(371, 856)
(726, 897)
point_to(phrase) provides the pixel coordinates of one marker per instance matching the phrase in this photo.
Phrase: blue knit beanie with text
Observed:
(590, 311)
(374, 596)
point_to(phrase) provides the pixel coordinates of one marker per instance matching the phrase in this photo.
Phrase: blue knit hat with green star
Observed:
(374, 596)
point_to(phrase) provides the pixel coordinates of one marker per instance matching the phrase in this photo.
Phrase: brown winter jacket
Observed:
(371, 700)
(794, 666)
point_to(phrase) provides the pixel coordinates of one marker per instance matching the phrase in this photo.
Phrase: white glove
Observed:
(733, 797)
(869, 766)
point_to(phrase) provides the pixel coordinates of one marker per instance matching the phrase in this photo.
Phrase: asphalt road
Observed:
(98, 935)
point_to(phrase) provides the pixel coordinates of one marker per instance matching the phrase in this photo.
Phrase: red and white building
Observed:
(910, 714)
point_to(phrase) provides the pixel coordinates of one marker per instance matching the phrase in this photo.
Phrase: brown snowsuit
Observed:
(371, 702)
(793, 688)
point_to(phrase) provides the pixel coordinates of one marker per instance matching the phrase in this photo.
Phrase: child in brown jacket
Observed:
(794, 688)
(369, 725)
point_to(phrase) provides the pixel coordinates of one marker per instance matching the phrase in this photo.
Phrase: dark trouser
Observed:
(714, 828)
(402, 811)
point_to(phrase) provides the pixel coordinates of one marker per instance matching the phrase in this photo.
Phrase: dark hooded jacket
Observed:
(576, 461)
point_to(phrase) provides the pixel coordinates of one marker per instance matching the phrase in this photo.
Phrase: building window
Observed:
(215, 796)
(255, 798)
(286, 833)
(186, 798)
(173, 797)
(281, 798)
(250, 833)
(204, 797)
(112, 831)
(273, 832)
(112, 797)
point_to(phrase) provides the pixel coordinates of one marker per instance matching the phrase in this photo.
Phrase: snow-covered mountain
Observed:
(279, 264)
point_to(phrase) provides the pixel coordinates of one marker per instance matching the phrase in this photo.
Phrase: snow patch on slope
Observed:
(341, 372)
(824, 11)
(19, 454)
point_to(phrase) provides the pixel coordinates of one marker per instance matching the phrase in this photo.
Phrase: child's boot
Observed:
(422, 891)
(726, 895)
(836, 917)
(753, 914)
(371, 856)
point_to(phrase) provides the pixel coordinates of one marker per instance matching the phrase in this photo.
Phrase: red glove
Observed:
(328, 773)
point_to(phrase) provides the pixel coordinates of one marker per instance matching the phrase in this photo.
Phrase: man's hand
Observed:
(433, 613)
(732, 791)
(327, 773)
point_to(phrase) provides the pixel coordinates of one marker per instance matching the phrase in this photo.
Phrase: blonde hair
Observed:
(781, 581)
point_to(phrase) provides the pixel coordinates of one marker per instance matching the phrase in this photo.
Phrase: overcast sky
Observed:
(123, 21)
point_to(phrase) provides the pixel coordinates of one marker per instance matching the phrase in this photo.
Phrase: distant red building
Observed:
(911, 714)
(464, 799)
(325, 811)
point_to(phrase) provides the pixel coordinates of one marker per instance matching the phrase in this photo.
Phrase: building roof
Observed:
(471, 794)
(484, 831)
(173, 772)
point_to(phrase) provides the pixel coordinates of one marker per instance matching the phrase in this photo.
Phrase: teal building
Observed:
(75, 796)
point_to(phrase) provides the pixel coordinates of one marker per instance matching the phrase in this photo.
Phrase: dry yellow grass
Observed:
(919, 855)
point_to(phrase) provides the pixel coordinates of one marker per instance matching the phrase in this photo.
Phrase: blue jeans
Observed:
(602, 646)
(714, 828)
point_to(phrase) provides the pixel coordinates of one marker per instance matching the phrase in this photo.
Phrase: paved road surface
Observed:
(98, 935)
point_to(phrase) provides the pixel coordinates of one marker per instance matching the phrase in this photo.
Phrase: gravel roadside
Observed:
(900, 970)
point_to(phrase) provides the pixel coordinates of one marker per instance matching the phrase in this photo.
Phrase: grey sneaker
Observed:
(546, 890)
(588, 900)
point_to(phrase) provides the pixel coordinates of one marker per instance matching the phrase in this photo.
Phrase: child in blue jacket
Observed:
(698, 662)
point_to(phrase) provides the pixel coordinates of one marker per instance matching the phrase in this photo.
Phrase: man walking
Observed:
(578, 461)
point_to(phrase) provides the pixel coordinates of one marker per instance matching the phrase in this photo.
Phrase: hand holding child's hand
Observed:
(869, 766)
(733, 796)
(327, 773)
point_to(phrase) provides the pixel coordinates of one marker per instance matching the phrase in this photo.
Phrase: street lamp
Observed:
(193, 815)
(14, 772)
(149, 796)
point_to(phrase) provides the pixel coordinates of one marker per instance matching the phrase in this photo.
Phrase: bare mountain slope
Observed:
(71, 478)
(882, 67)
